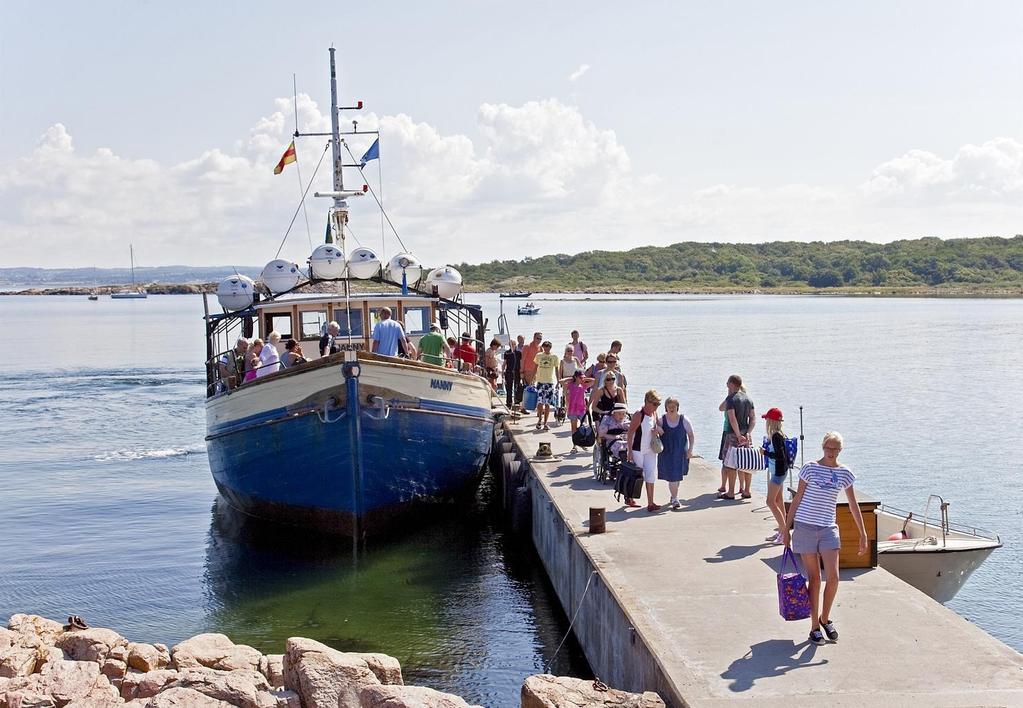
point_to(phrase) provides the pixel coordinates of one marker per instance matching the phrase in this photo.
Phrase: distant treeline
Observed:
(984, 264)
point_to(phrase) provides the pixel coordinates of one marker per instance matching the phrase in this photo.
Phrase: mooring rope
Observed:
(550, 663)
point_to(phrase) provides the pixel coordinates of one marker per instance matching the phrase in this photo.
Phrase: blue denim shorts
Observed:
(807, 538)
(776, 479)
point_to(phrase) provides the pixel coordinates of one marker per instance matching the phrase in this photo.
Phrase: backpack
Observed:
(791, 448)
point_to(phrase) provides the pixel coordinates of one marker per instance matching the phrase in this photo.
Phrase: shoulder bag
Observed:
(793, 597)
(585, 436)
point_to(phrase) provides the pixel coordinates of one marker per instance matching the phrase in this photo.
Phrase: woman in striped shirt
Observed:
(815, 533)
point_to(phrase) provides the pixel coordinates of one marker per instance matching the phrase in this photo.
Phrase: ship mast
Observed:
(339, 212)
(335, 132)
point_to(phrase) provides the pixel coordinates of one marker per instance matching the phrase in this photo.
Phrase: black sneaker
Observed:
(817, 638)
(829, 629)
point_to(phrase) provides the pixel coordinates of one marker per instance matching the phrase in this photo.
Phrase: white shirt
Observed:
(270, 360)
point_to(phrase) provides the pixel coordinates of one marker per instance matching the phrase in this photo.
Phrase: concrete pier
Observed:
(684, 602)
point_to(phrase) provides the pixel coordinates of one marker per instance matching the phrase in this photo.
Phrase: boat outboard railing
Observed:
(944, 516)
(941, 523)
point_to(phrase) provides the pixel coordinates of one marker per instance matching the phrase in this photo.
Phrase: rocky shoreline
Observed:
(44, 664)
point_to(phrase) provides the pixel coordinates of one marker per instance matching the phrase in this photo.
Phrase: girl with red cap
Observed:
(778, 464)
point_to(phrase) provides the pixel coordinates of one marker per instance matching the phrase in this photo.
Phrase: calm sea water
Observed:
(924, 391)
(107, 508)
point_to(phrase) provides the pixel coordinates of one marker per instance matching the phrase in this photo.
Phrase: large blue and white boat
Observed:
(348, 440)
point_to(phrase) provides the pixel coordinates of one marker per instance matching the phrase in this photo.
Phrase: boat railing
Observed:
(218, 385)
(941, 523)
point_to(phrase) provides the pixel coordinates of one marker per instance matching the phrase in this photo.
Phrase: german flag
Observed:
(286, 159)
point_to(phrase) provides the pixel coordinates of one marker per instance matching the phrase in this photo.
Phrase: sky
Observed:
(506, 130)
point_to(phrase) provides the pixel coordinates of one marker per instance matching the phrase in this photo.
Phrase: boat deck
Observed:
(921, 545)
(697, 593)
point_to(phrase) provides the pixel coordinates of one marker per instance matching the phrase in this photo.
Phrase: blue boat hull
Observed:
(298, 464)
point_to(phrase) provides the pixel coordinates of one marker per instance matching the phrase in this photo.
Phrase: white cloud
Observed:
(453, 199)
(578, 73)
(538, 178)
(992, 171)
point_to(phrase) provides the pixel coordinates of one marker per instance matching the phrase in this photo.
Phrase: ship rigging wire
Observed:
(302, 201)
(375, 197)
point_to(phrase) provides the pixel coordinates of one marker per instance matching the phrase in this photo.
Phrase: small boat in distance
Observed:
(136, 292)
(528, 309)
(94, 293)
(517, 293)
(933, 555)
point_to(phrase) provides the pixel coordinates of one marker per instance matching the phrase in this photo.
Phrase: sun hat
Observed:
(620, 407)
(773, 414)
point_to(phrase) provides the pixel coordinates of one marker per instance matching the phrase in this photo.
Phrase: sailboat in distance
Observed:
(136, 292)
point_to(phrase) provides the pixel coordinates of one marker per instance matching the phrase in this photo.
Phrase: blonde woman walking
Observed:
(642, 431)
(678, 440)
(815, 534)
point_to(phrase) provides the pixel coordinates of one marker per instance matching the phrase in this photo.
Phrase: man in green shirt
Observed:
(431, 345)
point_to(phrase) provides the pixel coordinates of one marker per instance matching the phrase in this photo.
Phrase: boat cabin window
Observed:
(341, 316)
(279, 322)
(314, 323)
(417, 320)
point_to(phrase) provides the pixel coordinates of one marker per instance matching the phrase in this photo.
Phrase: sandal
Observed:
(746, 495)
(721, 490)
(730, 497)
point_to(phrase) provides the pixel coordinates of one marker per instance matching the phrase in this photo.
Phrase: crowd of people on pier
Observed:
(661, 446)
(564, 384)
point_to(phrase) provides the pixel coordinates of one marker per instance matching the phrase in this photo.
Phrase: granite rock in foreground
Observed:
(44, 664)
(546, 691)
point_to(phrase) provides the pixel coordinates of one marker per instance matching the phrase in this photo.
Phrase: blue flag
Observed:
(373, 153)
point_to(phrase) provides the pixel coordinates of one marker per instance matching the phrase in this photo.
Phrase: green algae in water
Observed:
(447, 600)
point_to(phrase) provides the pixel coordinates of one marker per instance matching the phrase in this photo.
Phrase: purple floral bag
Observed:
(793, 598)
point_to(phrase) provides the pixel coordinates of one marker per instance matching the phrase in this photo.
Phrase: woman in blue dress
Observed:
(678, 439)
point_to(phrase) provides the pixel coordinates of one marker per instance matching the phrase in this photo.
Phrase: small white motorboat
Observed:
(933, 555)
(528, 309)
